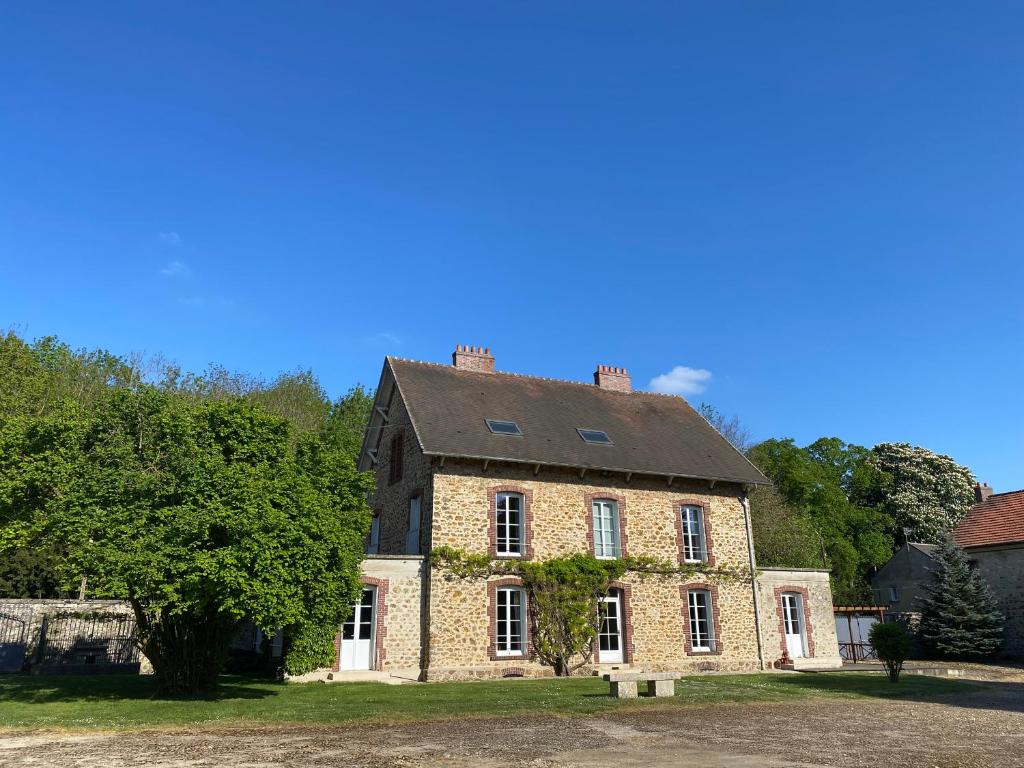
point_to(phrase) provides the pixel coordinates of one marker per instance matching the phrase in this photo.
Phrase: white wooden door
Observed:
(793, 624)
(357, 634)
(609, 639)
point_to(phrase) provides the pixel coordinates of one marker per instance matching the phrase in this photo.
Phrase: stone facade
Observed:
(460, 636)
(1003, 568)
(819, 622)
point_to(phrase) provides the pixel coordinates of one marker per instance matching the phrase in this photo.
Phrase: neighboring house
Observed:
(523, 467)
(898, 584)
(992, 535)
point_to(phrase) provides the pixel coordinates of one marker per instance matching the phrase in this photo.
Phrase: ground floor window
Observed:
(702, 637)
(510, 617)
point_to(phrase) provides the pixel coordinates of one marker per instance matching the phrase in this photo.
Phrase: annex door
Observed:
(793, 624)
(357, 634)
(610, 637)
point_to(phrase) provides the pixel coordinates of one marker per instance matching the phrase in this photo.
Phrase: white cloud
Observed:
(171, 238)
(681, 381)
(176, 269)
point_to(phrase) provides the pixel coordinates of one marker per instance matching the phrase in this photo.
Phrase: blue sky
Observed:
(818, 206)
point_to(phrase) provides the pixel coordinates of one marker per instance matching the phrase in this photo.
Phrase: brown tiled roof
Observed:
(997, 520)
(652, 434)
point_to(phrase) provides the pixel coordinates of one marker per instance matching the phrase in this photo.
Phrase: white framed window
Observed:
(702, 625)
(509, 510)
(894, 594)
(510, 621)
(606, 529)
(373, 545)
(694, 542)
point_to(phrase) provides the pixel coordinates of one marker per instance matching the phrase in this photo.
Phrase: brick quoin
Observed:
(380, 620)
(492, 620)
(677, 510)
(808, 627)
(621, 502)
(492, 525)
(684, 595)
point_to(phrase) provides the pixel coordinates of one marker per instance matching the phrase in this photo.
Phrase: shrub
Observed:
(892, 645)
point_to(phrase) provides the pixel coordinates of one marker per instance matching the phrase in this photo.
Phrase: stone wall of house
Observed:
(402, 578)
(821, 627)
(1003, 569)
(559, 510)
(390, 501)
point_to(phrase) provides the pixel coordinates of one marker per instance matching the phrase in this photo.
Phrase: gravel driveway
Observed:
(980, 728)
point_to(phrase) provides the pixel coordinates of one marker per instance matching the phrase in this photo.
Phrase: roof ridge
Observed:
(1002, 493)
(539, 378)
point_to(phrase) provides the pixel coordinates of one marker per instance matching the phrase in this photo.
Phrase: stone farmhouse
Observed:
(523, 467)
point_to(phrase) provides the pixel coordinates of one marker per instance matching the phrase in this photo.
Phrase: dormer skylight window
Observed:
(594, 436)
(503, 427)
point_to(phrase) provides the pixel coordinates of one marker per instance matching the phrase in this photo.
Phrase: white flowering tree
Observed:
(925, 493)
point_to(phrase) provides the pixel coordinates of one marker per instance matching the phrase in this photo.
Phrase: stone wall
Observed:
(390, 501)
(1003, 569)
(823, 645)
(403, 638)
(459, 631)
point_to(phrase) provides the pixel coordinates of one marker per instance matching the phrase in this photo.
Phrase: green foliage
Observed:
(892, 644)
(783, 536)
(30, 572)
(202, 513)
(563, 594)
(830, 486)
(959, 616)
(925, 493)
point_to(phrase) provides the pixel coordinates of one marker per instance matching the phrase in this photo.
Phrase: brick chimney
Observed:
(617, 379)
(478, 359)
(981, 492)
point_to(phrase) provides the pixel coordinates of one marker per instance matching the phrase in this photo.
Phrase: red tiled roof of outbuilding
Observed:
(999, 519)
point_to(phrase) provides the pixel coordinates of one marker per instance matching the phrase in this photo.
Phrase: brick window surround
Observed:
(492, 524)
(677, 510)
(808, 627)
(380, 620)
(684, 594)
(621, 503)
(492, 621)
(626, 593)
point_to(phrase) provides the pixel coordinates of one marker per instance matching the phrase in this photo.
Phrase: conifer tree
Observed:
(959, 616)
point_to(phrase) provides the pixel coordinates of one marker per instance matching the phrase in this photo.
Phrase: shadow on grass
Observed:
(43, 689)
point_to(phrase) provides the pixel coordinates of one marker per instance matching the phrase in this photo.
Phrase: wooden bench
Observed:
(624, 684)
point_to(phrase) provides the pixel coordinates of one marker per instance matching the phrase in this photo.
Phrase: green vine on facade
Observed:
(564, 594)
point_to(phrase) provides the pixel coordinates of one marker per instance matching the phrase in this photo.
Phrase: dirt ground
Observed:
(979, 728)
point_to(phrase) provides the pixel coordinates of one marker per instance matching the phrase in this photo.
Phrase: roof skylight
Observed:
(594, 436)
(503, 427)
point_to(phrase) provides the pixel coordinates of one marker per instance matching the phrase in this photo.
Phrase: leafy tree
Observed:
(201, 513)
(959, 616)
(827, 483)
(731, 429)
(783, 537)
(892, 645)
(347, 420)
(30, 572)
(925, 493)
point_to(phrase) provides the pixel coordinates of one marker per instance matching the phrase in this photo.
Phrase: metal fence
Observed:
(857, 652)
(15, 623)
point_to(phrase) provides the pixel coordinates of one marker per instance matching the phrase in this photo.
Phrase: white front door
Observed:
(357, 651)
(793, 624)
(609, 639)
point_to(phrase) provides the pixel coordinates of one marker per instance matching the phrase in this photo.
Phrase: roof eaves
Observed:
(598, 468)
(398, 388)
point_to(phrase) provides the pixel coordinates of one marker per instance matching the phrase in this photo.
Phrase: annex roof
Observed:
(999, 519)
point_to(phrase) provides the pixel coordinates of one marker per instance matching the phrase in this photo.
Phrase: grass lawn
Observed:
(124, 702)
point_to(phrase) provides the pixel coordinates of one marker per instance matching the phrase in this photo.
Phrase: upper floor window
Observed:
(606, 529)
(692, 528)
(509, 511)
(412, 535)
(396, 457)
(701, 622)
(509, 624)
(894, 594)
